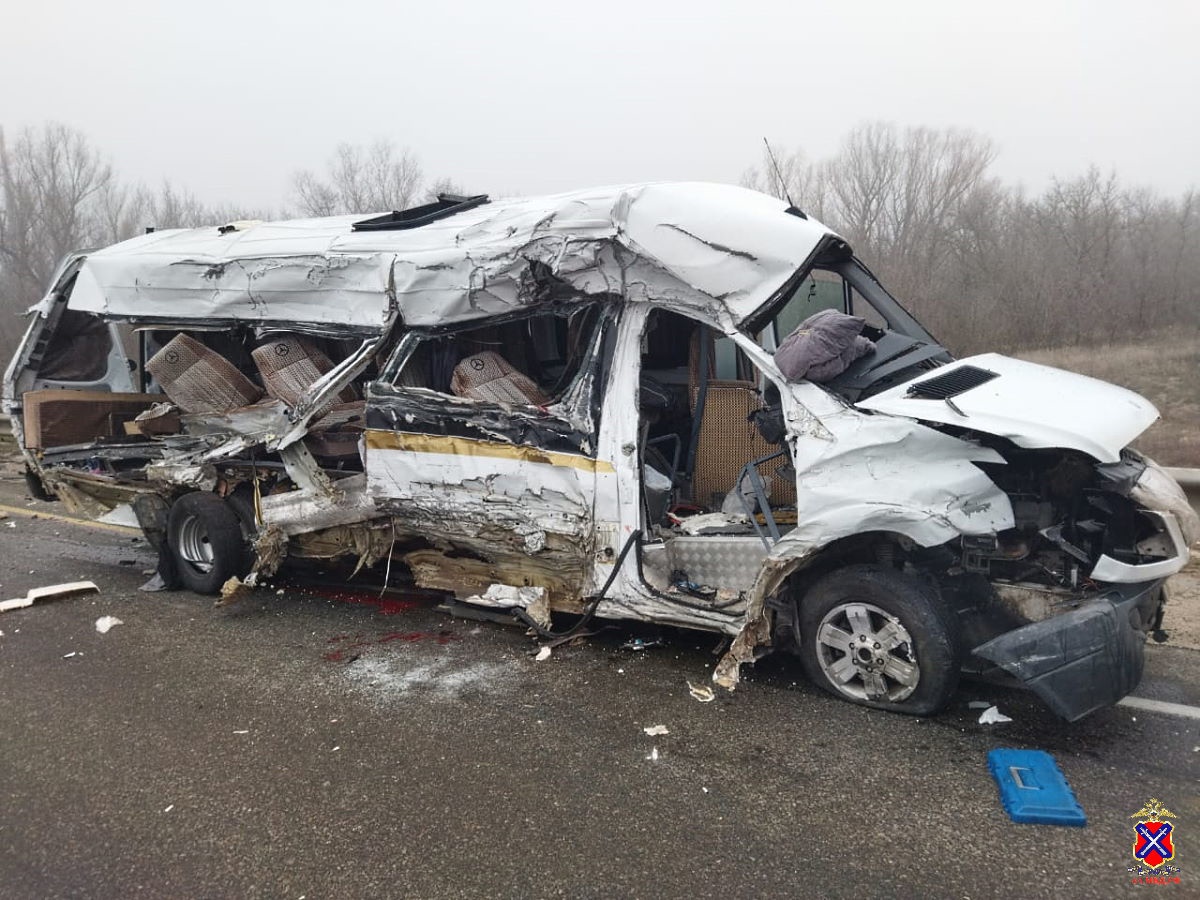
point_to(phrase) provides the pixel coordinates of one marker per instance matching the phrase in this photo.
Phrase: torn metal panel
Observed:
(556, 573)
(301, 511)
(370, 543)
(1155, 489)
(263, 422)
(680, 244)
(307, 474)
(201, 275)
(534, 600)
(85, 493)
(421, 409)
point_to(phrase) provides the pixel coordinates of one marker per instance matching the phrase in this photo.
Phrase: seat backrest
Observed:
(290, 366)
(488, 376)
(727, 440)
(200, 380)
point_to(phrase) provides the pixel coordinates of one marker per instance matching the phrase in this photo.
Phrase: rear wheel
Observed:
(206, 541)
(880, 638)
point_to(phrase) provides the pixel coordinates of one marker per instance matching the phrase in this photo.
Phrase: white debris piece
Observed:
(11, 524)
(105, 623)
(656, 730)
(169, 808)
(993, 716)
(653, 754)
(543, 654)
(69, 655)
(44, 593)
(702, 693)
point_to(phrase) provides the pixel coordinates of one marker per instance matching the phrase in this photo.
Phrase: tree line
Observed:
(981, 263)
(987, 267)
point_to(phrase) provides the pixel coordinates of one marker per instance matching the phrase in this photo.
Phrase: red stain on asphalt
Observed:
(388, 606)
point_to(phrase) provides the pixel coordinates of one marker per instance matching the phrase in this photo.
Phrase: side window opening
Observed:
(78, 350)
(530, 361)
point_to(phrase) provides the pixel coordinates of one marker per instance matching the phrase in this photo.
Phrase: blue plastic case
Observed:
(1033, 790)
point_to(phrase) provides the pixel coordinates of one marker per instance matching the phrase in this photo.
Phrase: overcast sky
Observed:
(229, 99)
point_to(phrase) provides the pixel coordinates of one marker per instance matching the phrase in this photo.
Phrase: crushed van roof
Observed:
(679, 244)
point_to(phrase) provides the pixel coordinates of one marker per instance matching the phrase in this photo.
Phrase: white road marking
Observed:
(1171, 709)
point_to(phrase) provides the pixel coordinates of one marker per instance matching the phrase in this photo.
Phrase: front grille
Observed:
(951, 384)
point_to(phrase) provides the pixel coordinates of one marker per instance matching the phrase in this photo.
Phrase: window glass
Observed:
(820, 290)
(860, 307)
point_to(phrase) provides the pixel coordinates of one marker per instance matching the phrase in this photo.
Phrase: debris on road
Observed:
(232, 590)
(71, 654)
(53, 591)
(155, 584)
(653, 754)
(243, 731)
(169, 808)
(639, 644)
(993, 716)
(701, 692)
(1033, 789)
(543, 654)
(656, 730)
(104, 624)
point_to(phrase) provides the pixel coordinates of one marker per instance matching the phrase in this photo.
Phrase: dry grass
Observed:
(1165, 369)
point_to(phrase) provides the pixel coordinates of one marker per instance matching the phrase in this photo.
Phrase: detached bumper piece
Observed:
(1086, 659)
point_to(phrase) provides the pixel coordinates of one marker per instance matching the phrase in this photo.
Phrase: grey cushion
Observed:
(822, 346)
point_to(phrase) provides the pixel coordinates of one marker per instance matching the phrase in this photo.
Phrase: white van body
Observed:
(996, 498)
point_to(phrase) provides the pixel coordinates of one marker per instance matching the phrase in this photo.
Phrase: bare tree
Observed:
(378, 177)
(444, 186)
(49, 179)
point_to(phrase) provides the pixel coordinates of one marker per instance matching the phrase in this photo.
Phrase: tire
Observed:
(206, 542)
(879, 638)
(241, 501)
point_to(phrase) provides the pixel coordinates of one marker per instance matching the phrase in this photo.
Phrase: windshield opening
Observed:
(896, 346)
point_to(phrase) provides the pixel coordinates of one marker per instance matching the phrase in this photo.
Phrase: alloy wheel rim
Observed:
(867, 654)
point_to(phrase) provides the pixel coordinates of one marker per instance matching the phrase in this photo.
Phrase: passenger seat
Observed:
(489, 376)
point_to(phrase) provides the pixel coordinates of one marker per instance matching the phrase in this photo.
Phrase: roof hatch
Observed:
(446, 205)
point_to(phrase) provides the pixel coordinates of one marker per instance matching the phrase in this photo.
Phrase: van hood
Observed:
(1033, 406)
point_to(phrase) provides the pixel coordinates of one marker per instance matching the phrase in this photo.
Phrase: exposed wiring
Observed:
(590, 612)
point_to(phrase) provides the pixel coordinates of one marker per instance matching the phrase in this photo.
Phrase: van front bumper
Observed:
(1085, 659)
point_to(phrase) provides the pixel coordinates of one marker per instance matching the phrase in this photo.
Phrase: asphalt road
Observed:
(312, 743)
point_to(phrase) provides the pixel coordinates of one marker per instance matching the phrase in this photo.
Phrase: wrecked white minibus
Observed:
(573, 404)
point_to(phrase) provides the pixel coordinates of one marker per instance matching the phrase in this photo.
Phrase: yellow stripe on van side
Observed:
(461, 446)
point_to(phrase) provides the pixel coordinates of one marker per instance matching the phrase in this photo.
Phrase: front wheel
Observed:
(880, 638)
(206, 541)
